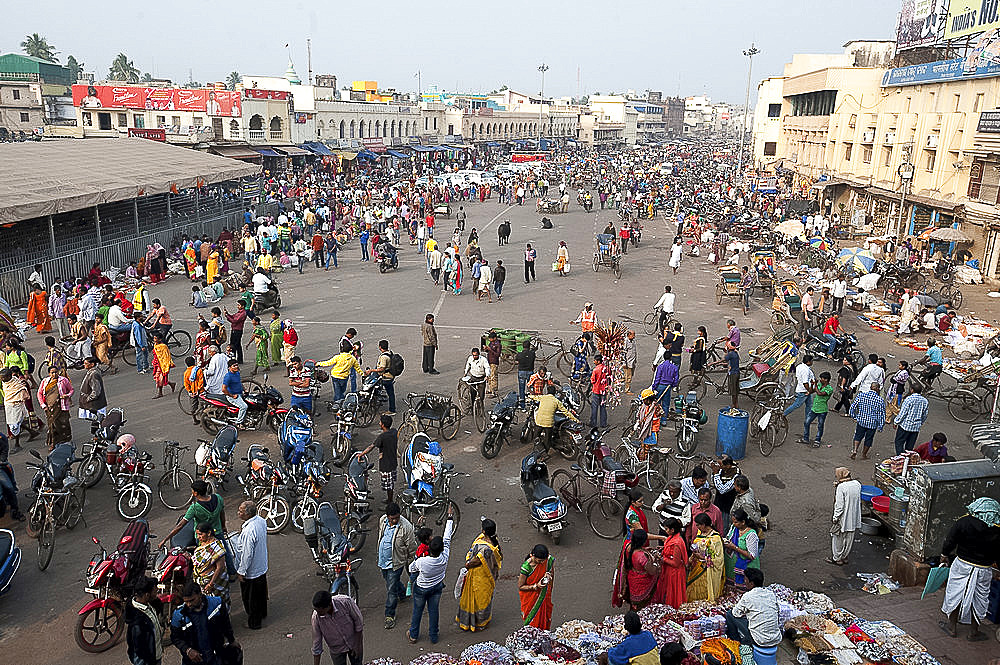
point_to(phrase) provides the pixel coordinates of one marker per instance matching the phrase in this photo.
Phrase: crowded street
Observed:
(585, 282)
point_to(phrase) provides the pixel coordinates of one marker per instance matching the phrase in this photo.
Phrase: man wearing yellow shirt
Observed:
(545, 414)
(431, 245)
(340, 369)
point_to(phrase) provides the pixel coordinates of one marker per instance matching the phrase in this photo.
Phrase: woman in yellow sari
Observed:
(482, 565)
(212, 266)
(706, 576)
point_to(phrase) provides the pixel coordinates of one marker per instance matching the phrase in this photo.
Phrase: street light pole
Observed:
(541, 131)
(749, 53)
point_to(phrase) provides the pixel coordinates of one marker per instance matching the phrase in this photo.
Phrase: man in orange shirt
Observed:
(599, 382)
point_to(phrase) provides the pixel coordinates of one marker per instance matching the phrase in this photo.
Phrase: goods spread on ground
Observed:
(814, 626)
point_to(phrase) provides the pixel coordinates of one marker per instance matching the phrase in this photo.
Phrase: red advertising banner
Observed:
(151, 134)
(374, 144)
(257, 93)
(190, 100)
(529, 157)
(213, 102)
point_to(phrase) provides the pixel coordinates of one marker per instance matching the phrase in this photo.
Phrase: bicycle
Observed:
(768, 425)
(605, 514)
(687, 463)
(174, 486)
(651, 322)
(563, 356)
(472, 398)
(51, 509)
(430, 410)
(652, 471)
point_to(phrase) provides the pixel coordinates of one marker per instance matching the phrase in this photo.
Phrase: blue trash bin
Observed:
(731, 434)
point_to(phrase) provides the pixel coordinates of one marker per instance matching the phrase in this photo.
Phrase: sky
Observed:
(678, 48)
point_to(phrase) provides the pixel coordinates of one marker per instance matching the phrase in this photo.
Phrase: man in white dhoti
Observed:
(846, 516)
(972, 546)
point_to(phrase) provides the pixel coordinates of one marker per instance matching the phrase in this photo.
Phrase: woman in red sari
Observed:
(671, 589)
(637, 573)
(535, 588)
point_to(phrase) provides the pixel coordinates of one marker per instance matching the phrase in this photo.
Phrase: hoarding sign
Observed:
(257, 93)
(942, 70)
(374, 144)
(989, 122)
(151, 134)
(213, 102)
(920, 22)
(972, 16)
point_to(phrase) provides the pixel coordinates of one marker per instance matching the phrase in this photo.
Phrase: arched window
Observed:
(320, 126)
(361, 129)
(352, 129)
(343, 127)
(275, 127)
(392, 129)
(378, 127)
(234, 129)
(256, 123)
(473, 131)
(481, 132)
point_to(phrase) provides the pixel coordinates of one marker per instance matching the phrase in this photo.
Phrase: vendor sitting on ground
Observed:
(638, 648)
(934, 451)
(928, 322)
(754, 618)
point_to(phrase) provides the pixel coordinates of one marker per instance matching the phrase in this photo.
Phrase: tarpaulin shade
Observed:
(51, 177)
(267, 152)
(317, 148)
(292, 151)
(397, 154)
(235, 152)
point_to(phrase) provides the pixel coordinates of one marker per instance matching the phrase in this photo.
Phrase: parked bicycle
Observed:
(471, 395)
(605, 513)
(174, 486)
(59, 498)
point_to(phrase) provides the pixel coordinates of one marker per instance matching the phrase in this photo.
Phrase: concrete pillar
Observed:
(97, 224)
(135, 214)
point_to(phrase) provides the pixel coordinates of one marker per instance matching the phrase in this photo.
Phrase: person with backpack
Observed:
(388, 366)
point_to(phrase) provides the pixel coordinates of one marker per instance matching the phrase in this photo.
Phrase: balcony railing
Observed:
(277, 135)
(256, 135)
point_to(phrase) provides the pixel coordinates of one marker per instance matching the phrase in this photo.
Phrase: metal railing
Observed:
(13, 283)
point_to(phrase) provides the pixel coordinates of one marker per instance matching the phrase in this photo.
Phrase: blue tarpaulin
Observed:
(397, 154)
(367, 154)
(317, 148)
(267, 152)
(422, 148)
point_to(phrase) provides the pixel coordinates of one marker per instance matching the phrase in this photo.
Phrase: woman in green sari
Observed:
(742, 547)
(262, 338)
(276, 337)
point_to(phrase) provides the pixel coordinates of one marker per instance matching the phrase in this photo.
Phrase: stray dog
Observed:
(503, 232)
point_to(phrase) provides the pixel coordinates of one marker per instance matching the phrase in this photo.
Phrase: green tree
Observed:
(38, 47)
(233, 79)
(75, 68)
(146, 78)
(123, 69)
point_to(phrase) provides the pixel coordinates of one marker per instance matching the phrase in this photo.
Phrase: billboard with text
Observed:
(972, 17)
(211, 102)
(920, 23)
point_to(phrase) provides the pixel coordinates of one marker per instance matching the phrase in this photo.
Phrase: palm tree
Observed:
(233, 79)
(38, 47)
(123, 69)
(75, 68)
(146, 78)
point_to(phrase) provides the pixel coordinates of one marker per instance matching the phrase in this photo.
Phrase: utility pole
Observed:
(749, 53)
(541, 129)
(309, 55)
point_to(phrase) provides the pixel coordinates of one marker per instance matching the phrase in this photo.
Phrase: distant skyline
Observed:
(634, 45)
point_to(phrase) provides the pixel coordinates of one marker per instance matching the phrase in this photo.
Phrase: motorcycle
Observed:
(357, 505)
(847, 346)
(371, 397)
(546, 511)
(309, 493)
(635, 234)
(566, 433)
(262, 410)
(331, 550)
(10, 559)
(214, 458)
(945, 270)
(298, 445)
(171, 573)
(111, 579)
(270, 299)
(692, 416)
(102, 454)
(597, 459)
(263, 483)
(55, 488)
(502, 416)
(346, 414)
(385, 257)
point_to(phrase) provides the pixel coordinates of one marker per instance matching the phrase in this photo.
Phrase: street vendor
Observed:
(972, 546)
(934, 451)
